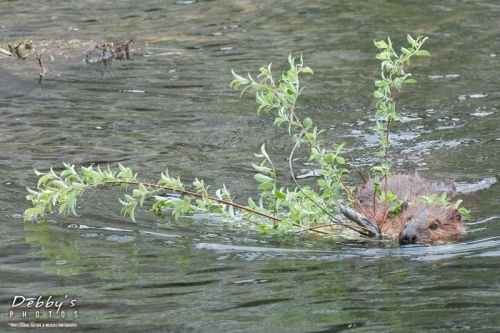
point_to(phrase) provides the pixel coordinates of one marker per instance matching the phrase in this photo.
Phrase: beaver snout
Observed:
(408, 236)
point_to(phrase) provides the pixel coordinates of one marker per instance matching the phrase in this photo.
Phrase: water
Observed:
(171, 107)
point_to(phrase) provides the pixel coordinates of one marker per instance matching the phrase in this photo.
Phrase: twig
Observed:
(198, 195)
(42, 67)
(357, 169)
(5, 52)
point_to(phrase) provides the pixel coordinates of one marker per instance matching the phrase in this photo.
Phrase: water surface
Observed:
(171, 106)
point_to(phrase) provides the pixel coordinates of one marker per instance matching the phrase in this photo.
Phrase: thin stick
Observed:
(198, 195)
(194, 194)
(357, 169)
(42, 67)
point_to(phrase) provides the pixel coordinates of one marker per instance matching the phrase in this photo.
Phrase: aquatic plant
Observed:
(318, 207)
(101, 54)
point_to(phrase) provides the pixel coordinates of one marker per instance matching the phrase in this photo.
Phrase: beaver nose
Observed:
(408, 237)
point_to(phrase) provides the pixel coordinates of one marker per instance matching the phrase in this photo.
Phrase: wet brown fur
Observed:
(418, 222)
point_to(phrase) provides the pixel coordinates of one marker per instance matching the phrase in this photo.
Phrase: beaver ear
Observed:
(454, 213)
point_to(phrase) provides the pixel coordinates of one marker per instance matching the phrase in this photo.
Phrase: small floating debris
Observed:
(107, 52)
(5, 53)
(21, 49)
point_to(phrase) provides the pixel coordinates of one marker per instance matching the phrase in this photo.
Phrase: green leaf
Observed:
(340, 147)
(382, 56)
(381, 44)
(262, 178)
(405, 51)
(279, 195)
(410, 40)
(132, 214)
(422, 53)
(261, 168)
(238, 80)
(251, 203)
(322, 183)
(263, 151)
(265, 186)
(31, 212)
(291, 61)
(307, 70)
(46, 177)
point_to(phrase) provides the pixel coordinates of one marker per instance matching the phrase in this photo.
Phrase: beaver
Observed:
(416, 222)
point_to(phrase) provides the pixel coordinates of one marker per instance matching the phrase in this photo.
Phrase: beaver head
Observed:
(426, 223)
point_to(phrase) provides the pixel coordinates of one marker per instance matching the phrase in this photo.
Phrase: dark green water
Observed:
(200, 275)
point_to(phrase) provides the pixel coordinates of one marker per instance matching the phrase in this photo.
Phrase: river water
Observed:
(171, 106)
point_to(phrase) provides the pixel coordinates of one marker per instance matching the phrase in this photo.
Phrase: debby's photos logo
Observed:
(43, 311)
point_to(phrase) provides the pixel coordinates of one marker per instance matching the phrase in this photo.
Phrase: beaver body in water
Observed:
(417, 222)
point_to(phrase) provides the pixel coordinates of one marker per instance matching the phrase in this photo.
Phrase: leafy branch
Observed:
(64, 189)
(393, 78)
(278, 210)
(319, 207)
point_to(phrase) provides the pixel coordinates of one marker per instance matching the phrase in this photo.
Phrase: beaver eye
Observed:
(434, 226)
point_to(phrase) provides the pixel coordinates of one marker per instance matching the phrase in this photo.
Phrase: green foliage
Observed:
(64, 189)
(278, 210)
(442, 201)
(393, 77)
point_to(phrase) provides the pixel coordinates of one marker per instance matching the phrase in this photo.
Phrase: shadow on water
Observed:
(170, 106)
